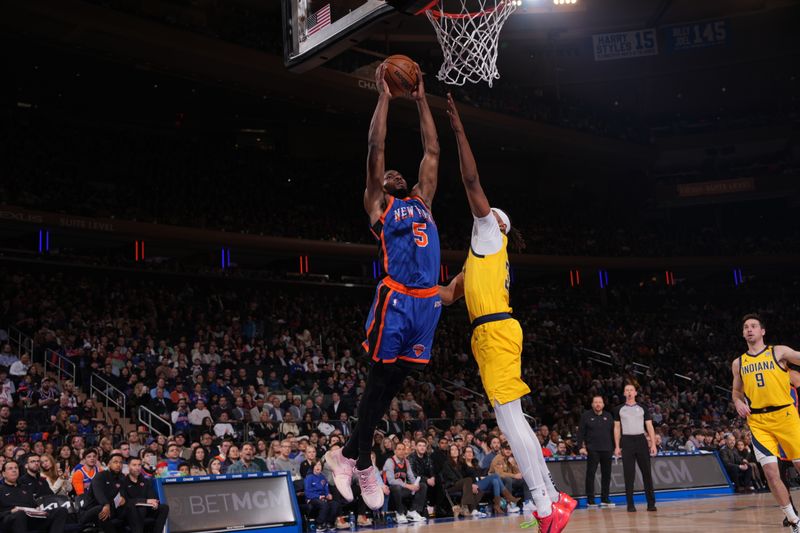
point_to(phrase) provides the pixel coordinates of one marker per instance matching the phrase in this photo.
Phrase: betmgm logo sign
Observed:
(228, 504)
(669, 472)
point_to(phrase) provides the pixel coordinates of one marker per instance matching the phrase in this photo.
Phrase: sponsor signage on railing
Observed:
(233, 502)
(670, 472)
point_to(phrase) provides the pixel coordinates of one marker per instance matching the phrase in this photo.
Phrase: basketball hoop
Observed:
(469, 38)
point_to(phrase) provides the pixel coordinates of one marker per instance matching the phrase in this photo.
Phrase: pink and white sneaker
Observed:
(370, 491)
(342, 469)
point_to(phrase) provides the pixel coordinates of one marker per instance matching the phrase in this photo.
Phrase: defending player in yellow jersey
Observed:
(761, 393)
(497, 337)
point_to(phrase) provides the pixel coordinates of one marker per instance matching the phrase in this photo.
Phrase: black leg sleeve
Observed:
(383, 383)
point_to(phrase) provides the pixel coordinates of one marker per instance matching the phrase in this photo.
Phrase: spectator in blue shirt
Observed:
(318, 496)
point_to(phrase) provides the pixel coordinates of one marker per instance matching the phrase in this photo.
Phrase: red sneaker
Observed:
(567, 502)
(556, 522)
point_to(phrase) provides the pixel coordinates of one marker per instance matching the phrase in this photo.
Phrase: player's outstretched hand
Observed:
(452, 112)
(380, 81)
(742, 408)
(419, 92)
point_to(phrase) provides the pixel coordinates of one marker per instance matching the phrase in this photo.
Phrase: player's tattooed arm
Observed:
(738, 391)
(376, 144)
(429, 166)
(453, 291)
(478, 203)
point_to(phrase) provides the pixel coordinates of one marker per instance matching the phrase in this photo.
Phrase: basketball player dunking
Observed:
(497, 336)
(761, 393)
(406, 309)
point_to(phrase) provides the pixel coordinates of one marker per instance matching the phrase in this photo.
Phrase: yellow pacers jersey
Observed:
(766, 383)
(486, 282)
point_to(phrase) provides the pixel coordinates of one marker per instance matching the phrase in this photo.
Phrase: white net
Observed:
(469, 39)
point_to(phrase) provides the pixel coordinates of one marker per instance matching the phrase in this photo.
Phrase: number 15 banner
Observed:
(625, 44)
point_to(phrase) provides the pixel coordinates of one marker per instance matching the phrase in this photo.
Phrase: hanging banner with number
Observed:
(700, 34)
(625, 44)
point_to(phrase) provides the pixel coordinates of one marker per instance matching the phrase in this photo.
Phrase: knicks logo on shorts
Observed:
(419, 349)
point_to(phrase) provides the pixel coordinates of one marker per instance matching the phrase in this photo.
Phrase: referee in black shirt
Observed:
(596, 440)
(630, 421)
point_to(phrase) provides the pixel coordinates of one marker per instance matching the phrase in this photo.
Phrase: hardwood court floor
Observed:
(727, 514)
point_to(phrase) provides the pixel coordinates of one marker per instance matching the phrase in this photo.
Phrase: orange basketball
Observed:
(401, 75)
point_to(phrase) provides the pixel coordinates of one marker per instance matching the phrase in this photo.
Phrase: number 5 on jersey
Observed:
(420, 237)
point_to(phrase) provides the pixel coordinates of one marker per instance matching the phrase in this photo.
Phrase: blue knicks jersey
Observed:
(409, 243)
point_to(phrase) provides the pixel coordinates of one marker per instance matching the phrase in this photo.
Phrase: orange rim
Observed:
(436, 13)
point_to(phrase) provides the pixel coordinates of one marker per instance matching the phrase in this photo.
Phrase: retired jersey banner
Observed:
(700, 34)
(625, 44)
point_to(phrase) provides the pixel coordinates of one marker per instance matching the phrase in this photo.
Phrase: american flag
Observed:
(318, 20)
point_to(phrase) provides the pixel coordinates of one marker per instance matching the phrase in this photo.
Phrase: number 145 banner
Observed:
(699, 34)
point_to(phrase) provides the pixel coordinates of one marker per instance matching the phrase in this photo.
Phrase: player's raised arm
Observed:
(376, 144)
(429, 167)
(738, 391)
(478, 202)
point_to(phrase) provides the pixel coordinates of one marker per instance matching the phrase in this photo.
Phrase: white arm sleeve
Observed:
(487, 238)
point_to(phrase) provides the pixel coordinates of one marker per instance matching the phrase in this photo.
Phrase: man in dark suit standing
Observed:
(596, 441)
(337, 407)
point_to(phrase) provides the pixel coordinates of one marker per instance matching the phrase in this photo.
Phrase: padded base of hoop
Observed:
(412, 7)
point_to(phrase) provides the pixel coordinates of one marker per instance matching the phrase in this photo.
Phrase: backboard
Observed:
(317, 30)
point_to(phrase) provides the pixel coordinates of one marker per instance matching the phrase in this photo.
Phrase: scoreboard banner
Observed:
(233, 502)
(625, 44)
(671, 471)
(698, 34)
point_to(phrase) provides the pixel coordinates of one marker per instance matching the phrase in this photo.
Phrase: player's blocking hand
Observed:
(380, 81)
(452, 112)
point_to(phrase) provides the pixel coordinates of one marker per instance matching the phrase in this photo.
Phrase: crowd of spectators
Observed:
(66, 166)
(268, 378)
